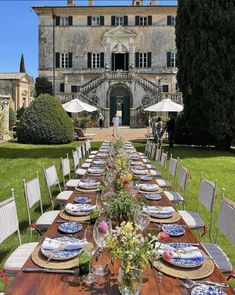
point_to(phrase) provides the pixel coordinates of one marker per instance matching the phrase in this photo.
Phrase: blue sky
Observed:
(19, 31)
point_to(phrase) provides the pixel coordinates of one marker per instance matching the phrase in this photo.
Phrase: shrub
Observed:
(12, 117)
(43, 85)
(45, 122)
(19, 113)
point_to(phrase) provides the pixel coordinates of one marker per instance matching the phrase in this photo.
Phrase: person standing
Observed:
(101, 120)
(159, 131)
(115, 122)
(170, 128)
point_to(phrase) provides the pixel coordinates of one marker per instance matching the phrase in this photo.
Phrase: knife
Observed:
(48, 270)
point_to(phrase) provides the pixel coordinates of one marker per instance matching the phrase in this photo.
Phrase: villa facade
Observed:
(118, 58)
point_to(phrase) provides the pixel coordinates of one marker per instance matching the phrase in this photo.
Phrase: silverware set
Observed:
(189, 284)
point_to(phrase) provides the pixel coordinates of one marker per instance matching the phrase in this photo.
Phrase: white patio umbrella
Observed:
(165, 105)
(77, 106)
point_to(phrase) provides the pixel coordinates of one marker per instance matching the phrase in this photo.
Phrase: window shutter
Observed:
(137, 58)
(89, 59)
(102, 20)
(61, 87)
(169, 20)
(101, 59)
(150, 20)
(70, 59)
(149, 60)
(176, 60)
(168, 59)
(165, 88)
(112, 20)
(57, 20)
(125, 20)
(57, 60)
(137, 20)
(89, 20)
(70, 20)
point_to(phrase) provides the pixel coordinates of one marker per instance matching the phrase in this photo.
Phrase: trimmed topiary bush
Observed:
(45, 122)
(12, 118)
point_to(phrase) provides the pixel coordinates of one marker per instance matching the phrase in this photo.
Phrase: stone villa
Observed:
(119, 58)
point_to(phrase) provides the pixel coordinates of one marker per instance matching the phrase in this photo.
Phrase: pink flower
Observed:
(167, 255)
(103, 227)
(111, 165)
(163, 236)
(118, 174)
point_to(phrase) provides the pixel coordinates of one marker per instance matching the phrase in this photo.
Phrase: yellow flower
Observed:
(128, 267)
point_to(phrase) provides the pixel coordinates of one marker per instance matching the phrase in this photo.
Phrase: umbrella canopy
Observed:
(77, 106)
(165, 105)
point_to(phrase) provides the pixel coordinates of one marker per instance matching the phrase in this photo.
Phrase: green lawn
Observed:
(18, 161)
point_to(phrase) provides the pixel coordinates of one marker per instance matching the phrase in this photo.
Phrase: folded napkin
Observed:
(53, 244)
(189, 252)
(95, 170)
(79, 207)
(167, 210)
(137, 171)
(149, 187)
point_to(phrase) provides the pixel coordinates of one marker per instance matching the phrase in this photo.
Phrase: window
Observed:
(75, 88)
(64, 60)
(119, 20)
(61, 87)
(143, 60)
(171, 20)
(64, 20)
(171, 59)
(95, 21)
(165, 88)
(95, 60)
(143, 20)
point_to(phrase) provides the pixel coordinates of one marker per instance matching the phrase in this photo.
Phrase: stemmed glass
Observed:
(102, 226)
(141, 218)
(89, 249)
(99, 204)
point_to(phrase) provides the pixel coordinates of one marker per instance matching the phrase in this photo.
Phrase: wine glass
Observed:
(102, 226)
(99, 204)
(89, 249)
(141, 218)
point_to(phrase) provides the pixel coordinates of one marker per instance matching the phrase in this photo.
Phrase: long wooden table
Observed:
(59, 284)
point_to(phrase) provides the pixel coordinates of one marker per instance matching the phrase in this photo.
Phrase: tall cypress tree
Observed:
(205, 38)
(22, 66)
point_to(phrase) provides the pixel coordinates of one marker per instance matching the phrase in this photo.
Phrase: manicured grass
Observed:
(19, 161)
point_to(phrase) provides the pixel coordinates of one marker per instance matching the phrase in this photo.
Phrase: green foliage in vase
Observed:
(206, 70)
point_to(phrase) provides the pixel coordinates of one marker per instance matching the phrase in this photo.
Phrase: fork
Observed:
(61, 247)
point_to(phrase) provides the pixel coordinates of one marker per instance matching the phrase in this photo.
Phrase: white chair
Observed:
(87, 162)
(66, 172)
(206, 198)
(10, 224)
(88, 147)
(164, 183)
(175, 196)
(32, 194)
(225, 225)
(52, 180)
(76, 162)
(163, 161)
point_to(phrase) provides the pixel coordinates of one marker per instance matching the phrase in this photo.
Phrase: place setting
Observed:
(98, 171)
(149, 187)
(88, 185)
(162, 214)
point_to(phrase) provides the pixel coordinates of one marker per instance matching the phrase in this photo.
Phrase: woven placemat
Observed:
(39, 259)
(194, 273)
(86, 190)
(64, 215)
(176, 217)
(158, 191)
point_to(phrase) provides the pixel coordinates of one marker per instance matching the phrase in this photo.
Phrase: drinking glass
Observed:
(102, 226)
(141, 218)
(89, 249)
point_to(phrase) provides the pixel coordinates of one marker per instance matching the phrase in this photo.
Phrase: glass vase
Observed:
(129, 283)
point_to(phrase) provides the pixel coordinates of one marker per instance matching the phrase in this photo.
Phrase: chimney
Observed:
(137, 2)
(90, 3)
(70, 2)
(153, 2)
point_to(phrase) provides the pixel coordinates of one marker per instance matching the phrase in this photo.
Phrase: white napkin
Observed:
(189, 252)
(149, 187)
(88, 185)
(79, 207)
(53, 245)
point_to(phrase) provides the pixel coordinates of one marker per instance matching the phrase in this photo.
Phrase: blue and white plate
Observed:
(82, 200)
(185, 262)
(173, 229)
(153, 197)
(99, 162)
(63, 254)
(70, 227)
(207, 290)
(145, 178)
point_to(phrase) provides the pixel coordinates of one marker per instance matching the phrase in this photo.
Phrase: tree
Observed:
(205, 38)
(43, 86)
(45, 122)
(22, 66)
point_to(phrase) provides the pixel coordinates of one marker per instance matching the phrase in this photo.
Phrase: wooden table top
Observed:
(59, 284)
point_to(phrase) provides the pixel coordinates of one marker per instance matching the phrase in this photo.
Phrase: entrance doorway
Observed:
(120, 61)
(120, 103)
